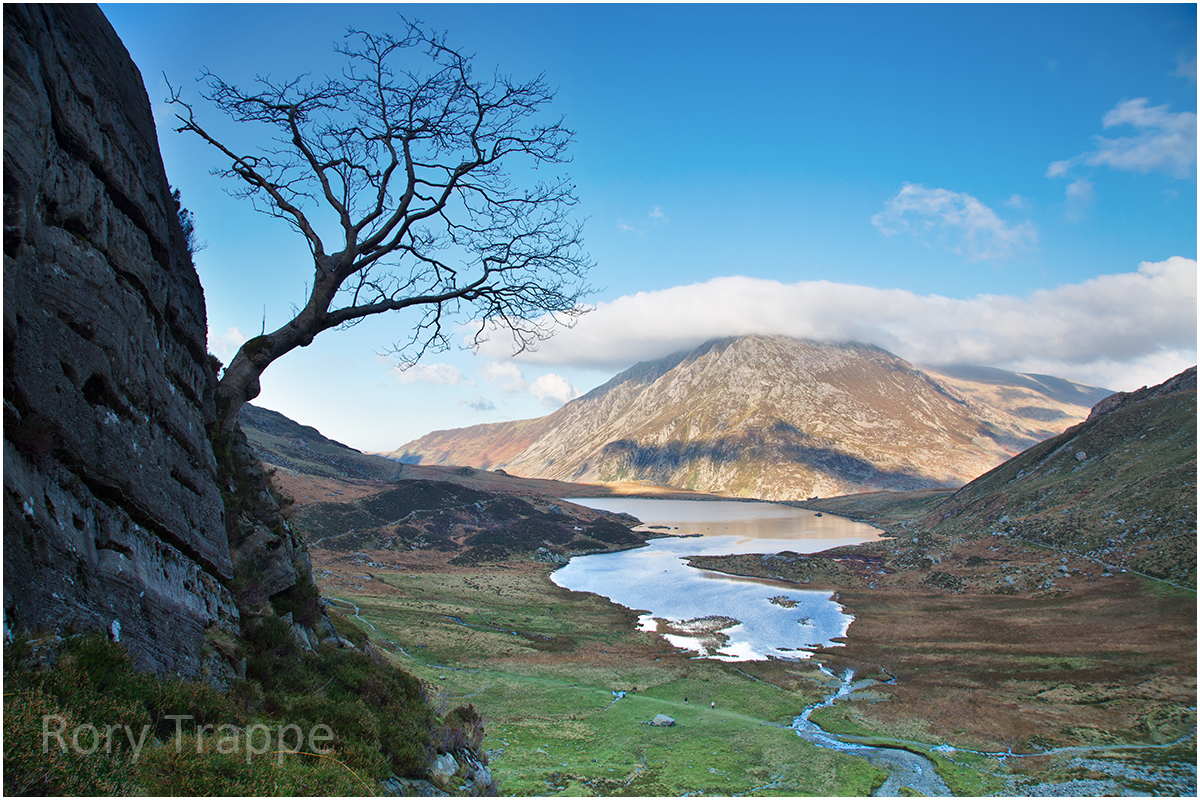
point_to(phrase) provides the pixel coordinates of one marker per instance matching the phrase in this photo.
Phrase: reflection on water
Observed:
(656, 580)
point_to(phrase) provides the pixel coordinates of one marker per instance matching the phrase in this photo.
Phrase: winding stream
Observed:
(737, 619)
(905, 769)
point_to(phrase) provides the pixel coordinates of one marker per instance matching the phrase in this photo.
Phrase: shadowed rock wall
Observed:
(112, 514)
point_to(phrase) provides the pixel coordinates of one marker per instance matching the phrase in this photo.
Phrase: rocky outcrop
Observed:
(1183, 382)
(112, 514)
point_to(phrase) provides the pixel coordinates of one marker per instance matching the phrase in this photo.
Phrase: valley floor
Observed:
(1000, 645)
(1095, 674)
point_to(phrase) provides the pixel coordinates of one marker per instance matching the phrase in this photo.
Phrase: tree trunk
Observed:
(238, 385)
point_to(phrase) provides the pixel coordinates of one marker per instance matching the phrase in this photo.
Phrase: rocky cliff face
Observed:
(768, 417)
(113, 518)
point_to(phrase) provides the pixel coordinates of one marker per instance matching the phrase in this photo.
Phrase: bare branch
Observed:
(418, 161)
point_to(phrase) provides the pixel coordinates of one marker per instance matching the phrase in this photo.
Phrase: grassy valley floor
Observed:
(1096, 674)
(547, 667)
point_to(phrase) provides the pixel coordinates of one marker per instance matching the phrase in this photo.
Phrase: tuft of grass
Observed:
(963, 779)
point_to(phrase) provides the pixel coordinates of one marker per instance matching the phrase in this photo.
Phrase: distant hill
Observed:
(776, 418)
(283, 442)
(1119, 487)
(351, 502)
(1034, 398)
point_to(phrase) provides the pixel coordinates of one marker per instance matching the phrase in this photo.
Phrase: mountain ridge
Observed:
(775, 418)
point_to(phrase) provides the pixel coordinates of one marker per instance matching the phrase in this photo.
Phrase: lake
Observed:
(719, 616)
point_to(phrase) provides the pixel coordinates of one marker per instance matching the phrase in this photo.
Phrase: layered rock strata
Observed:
(112, 514)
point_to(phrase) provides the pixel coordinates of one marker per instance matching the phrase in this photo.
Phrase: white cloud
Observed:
(436, 374)
(225, 346)
(1164, 142)
(505, 376)
(1109, 328)
(551, 390)
(1185, 67)
(1080, 195)
(654, 217)
(958, 221)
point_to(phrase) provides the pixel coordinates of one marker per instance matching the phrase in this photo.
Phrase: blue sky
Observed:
(1009, 185)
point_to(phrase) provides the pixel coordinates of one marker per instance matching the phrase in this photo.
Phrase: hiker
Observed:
(713, 704)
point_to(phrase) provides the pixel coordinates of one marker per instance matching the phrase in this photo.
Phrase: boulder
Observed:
(444, 765)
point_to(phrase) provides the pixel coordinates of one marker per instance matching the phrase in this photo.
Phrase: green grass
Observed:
(94, 685)
(581, 734)
(964, 779)
(553, 727)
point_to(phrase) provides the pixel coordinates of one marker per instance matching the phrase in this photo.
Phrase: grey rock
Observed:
(444, 765)
(548, 556)
(112, 511)
(264, 551)
(396, 786)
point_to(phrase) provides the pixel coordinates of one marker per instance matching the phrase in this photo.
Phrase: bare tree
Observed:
(416, 167)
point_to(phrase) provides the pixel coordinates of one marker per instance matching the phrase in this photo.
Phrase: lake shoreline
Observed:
(659, 579)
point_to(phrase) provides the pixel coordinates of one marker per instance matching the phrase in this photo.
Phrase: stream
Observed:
(752, 618)
(905, 769)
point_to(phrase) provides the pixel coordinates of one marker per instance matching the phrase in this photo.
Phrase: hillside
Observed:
(1119, 488)
(346, 502)
(1117, 491)
(776, 418)
(283, 442)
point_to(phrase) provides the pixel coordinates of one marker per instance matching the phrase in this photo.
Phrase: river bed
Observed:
(719, 616)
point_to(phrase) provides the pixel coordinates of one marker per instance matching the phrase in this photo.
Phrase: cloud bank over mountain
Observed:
(1119, 331)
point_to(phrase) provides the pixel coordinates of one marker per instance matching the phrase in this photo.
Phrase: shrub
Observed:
(377, 714)
(461, 729)
(303, 601)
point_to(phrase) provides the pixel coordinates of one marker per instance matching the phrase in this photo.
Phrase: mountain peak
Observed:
(771, 417)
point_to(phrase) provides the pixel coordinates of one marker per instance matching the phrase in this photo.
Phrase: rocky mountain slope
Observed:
(1119, 487)
(776, 418)
(121, 513)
